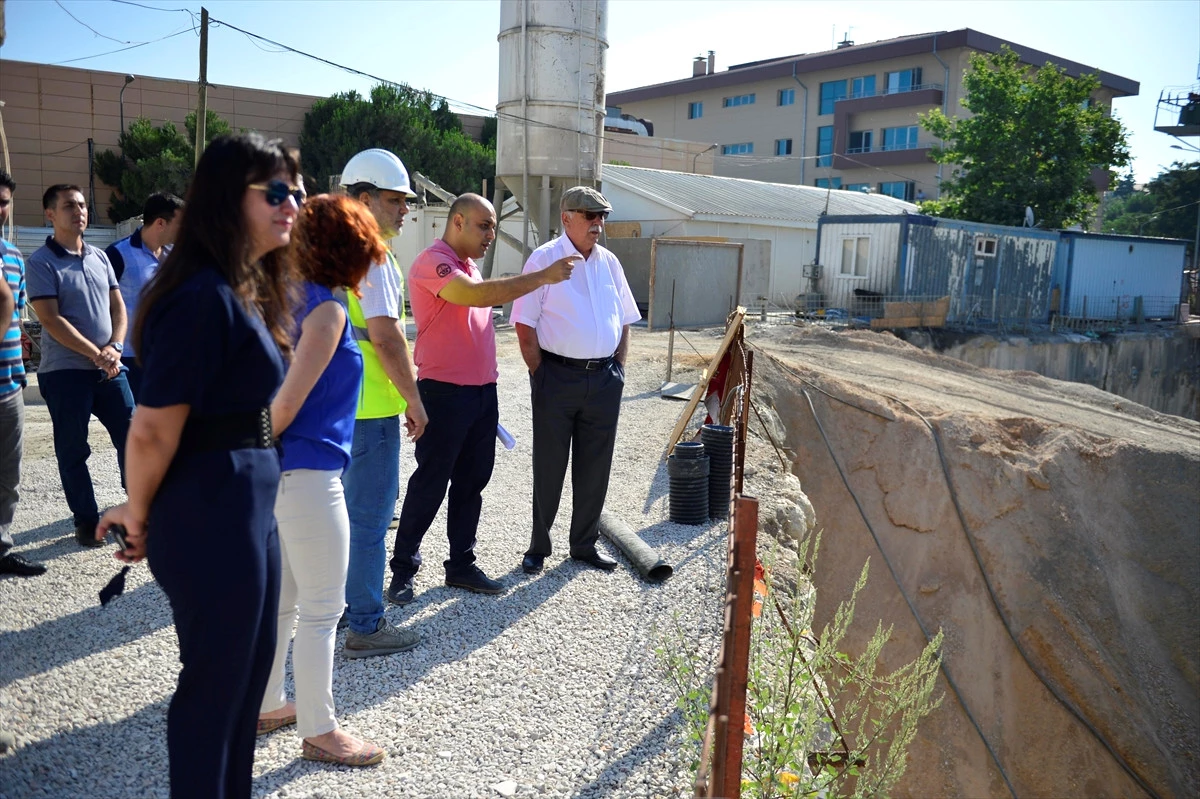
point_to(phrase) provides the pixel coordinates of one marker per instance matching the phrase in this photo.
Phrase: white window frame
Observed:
(861, 248)
(986, 246)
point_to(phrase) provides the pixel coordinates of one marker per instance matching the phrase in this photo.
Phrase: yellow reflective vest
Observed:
(377, 397)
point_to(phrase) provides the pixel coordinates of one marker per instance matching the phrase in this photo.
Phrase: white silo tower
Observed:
(551, 102)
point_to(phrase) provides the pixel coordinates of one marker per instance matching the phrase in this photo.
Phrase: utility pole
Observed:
(202, 105)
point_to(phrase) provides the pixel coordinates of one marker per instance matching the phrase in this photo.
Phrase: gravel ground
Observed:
(551, 687)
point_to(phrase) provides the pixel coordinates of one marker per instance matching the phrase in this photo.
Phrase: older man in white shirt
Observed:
(574, 338)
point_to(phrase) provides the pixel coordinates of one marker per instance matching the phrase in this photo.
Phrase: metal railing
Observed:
(899, 90)
(912, 145)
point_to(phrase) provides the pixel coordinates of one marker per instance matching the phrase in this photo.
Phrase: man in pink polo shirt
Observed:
(455, 354)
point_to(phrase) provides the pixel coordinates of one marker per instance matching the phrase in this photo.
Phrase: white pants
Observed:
(314, 543)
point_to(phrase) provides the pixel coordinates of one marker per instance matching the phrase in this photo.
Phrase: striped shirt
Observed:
(12, 367)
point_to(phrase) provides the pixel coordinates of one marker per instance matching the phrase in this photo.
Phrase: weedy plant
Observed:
(820, 723)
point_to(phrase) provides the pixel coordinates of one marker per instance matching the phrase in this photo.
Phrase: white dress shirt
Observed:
(581, 317)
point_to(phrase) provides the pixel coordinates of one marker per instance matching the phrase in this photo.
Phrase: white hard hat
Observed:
(381, 168)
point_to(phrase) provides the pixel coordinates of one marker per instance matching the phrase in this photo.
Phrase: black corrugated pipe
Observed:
(718, 443)
(640, 554)
(687, 468)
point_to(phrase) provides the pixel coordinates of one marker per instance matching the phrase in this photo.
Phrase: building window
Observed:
(741, 99)
(743, 148)
(825, 146)
(860, 141)
(865, 188)
(787, 96)
(900, 189)
(906, 80)
(862, 87)
(831, 92)
(904, 138)
(783, 147)
(985, 246)
(855, 250)
(828, 183)
(695, 110)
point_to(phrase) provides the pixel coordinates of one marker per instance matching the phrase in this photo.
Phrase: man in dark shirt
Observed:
(136, 258)
(74, 291)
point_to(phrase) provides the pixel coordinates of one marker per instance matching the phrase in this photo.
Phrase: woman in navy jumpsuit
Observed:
(212, 335)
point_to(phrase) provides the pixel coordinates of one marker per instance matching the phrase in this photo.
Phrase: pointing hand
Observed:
(561, 269)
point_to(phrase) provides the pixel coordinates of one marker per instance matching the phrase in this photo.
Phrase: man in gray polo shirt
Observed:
(74, 292)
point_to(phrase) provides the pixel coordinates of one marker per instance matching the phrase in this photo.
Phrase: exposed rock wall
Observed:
(1091, 543)
(1158, 370)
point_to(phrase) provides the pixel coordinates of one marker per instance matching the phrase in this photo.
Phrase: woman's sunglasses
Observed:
(276, 192)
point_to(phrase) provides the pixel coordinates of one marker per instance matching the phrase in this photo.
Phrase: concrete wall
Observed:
(653, 152)
(705, 277)
(1158, 370)
(50, 113)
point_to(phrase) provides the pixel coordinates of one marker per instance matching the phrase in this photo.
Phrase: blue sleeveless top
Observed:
(321, 435)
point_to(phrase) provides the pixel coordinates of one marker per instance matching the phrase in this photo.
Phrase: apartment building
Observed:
(845, 118)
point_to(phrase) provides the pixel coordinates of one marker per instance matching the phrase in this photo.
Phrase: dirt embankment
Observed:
(1084, 512)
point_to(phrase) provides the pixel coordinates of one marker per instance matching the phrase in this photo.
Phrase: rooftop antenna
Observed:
(1028, 216)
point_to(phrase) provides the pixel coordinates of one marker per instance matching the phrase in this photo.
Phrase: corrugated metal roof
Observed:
(710, 195)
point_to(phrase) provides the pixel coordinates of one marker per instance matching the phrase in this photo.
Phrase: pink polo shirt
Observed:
(455, 343)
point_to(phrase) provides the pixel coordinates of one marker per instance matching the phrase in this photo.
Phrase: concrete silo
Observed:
(551, 103)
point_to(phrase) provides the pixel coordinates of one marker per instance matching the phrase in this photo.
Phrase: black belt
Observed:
(579, 363)
(248, 430)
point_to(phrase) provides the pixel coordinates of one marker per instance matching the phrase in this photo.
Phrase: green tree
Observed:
(1034, 138)
(1166, 207)
(152, 159)
(426, 135)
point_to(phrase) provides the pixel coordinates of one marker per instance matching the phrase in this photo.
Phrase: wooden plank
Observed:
(888, 323)
(732, 329)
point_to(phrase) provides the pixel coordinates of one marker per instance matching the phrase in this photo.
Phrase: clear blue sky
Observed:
(449, 46)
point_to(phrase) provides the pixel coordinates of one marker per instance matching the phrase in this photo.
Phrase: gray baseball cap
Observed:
(583, 198)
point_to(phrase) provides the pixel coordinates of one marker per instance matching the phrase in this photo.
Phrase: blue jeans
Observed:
(372, 485)
(73, 396)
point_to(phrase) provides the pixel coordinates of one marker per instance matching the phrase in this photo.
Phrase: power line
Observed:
(447, 100)
(123, 49)
(153, 8)
(89, 27)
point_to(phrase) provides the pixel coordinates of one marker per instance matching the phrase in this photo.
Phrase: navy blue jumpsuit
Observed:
(212, 543)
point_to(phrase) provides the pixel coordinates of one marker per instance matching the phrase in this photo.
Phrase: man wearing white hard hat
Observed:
(378, 179)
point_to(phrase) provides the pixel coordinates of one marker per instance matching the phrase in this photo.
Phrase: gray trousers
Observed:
(12, 420)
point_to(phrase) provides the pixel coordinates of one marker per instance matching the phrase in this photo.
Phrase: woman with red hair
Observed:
(336, 241)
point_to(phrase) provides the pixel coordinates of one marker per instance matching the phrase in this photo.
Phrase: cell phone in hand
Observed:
(118, 533)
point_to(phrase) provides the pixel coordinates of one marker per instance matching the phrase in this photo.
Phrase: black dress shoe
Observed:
(532, 564)
(85, 535)
(597, 559)
(15, 564)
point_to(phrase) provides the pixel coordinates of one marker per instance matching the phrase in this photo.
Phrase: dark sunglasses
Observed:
(276, 192)
(592, 216)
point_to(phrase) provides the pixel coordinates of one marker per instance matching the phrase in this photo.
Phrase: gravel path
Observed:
(552, 686)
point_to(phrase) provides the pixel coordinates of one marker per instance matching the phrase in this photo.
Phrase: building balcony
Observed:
(924, 94)
(895, 155)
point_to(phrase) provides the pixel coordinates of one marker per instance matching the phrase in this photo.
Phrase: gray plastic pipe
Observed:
(644, 559)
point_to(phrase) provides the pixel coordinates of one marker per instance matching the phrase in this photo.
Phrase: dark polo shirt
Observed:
(81, 284)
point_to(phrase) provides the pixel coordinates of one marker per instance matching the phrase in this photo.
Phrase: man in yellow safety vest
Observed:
(378, 179)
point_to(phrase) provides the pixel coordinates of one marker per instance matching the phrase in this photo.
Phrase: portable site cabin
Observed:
(732, 210)
(989, 272)
(1105, 276)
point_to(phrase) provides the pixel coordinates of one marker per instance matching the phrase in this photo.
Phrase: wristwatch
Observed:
(117, 345)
